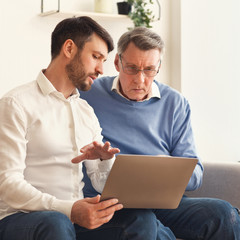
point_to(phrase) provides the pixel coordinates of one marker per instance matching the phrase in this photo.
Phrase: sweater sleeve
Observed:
(183, 143)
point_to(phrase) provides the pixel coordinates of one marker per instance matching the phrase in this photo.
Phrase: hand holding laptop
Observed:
(91, 213)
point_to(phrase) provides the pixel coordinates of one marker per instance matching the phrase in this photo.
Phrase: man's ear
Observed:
(69, 48)
(117, 62)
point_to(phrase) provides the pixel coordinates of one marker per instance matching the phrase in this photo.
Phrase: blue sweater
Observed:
(159, 126)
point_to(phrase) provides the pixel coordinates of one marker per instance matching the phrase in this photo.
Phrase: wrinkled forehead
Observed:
(135, 55)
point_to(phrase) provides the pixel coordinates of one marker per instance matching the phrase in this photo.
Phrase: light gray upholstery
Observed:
(220, 180)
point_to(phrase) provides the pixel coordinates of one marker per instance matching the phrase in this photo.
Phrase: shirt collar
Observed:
(47, 87)
(154, 93)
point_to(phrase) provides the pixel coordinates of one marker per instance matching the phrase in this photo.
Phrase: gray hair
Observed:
(143, 38)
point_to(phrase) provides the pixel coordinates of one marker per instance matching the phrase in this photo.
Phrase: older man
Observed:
(142, 116)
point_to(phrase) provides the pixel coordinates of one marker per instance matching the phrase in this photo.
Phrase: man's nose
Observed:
(139, 77)
(99, 68)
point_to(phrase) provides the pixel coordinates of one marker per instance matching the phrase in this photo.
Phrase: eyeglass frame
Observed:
(140, 70)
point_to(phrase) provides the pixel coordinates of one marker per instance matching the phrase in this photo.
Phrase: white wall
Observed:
(24, 42)
(210, 74)
(25, 38)
(174, 42)
(202, 49)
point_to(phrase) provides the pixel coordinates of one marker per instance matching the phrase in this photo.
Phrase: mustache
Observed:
(93, 75)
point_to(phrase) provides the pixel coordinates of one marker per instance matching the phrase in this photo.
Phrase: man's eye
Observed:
(131, 68)
(150, 69)
(95, 56)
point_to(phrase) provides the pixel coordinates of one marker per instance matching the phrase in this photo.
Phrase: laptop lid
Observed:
(143, 181)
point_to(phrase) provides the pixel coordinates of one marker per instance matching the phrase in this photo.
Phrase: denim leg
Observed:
(202, 218)
(128, 224)
(45, 225)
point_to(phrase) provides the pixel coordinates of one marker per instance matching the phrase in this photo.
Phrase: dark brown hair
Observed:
(79, 30)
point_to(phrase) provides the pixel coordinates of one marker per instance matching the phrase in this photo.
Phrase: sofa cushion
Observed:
(220, 180)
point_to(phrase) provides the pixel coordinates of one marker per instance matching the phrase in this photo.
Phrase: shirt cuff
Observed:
(106, 165)
(63, 206)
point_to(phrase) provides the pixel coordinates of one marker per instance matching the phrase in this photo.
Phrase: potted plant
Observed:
(140, 14)
(124, 7)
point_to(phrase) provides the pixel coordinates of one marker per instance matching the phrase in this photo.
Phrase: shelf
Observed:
(95, 15)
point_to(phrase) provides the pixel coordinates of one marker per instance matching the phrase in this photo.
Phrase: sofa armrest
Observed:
(220, 180)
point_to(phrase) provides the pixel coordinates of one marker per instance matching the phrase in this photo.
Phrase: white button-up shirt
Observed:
(40, 133)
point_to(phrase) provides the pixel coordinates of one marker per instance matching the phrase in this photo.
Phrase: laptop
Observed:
(143, 181)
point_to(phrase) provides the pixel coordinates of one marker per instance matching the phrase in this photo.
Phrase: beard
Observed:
(77, 74)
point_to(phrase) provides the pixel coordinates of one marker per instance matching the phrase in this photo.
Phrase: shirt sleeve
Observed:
(183, 143)
(13, 147)
(98, 170)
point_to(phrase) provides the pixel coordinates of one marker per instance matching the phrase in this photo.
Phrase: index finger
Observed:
(106, 203)
(87, 147)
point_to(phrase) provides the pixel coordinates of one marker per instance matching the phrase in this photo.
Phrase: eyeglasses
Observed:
(131, 70)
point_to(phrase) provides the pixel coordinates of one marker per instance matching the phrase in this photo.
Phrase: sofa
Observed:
(220, 180)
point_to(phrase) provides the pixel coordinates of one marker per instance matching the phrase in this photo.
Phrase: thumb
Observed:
(94, 200)
(79, 158)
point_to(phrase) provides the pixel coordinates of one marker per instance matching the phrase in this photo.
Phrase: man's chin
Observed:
(136, 98)
(85, 87)
(90, 81)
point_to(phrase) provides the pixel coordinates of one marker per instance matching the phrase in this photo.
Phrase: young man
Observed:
(44, 126)
(142, 116)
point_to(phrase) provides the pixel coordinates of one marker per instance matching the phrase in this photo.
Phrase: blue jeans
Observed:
(202, 219)
(194, 219)
(131, 224)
